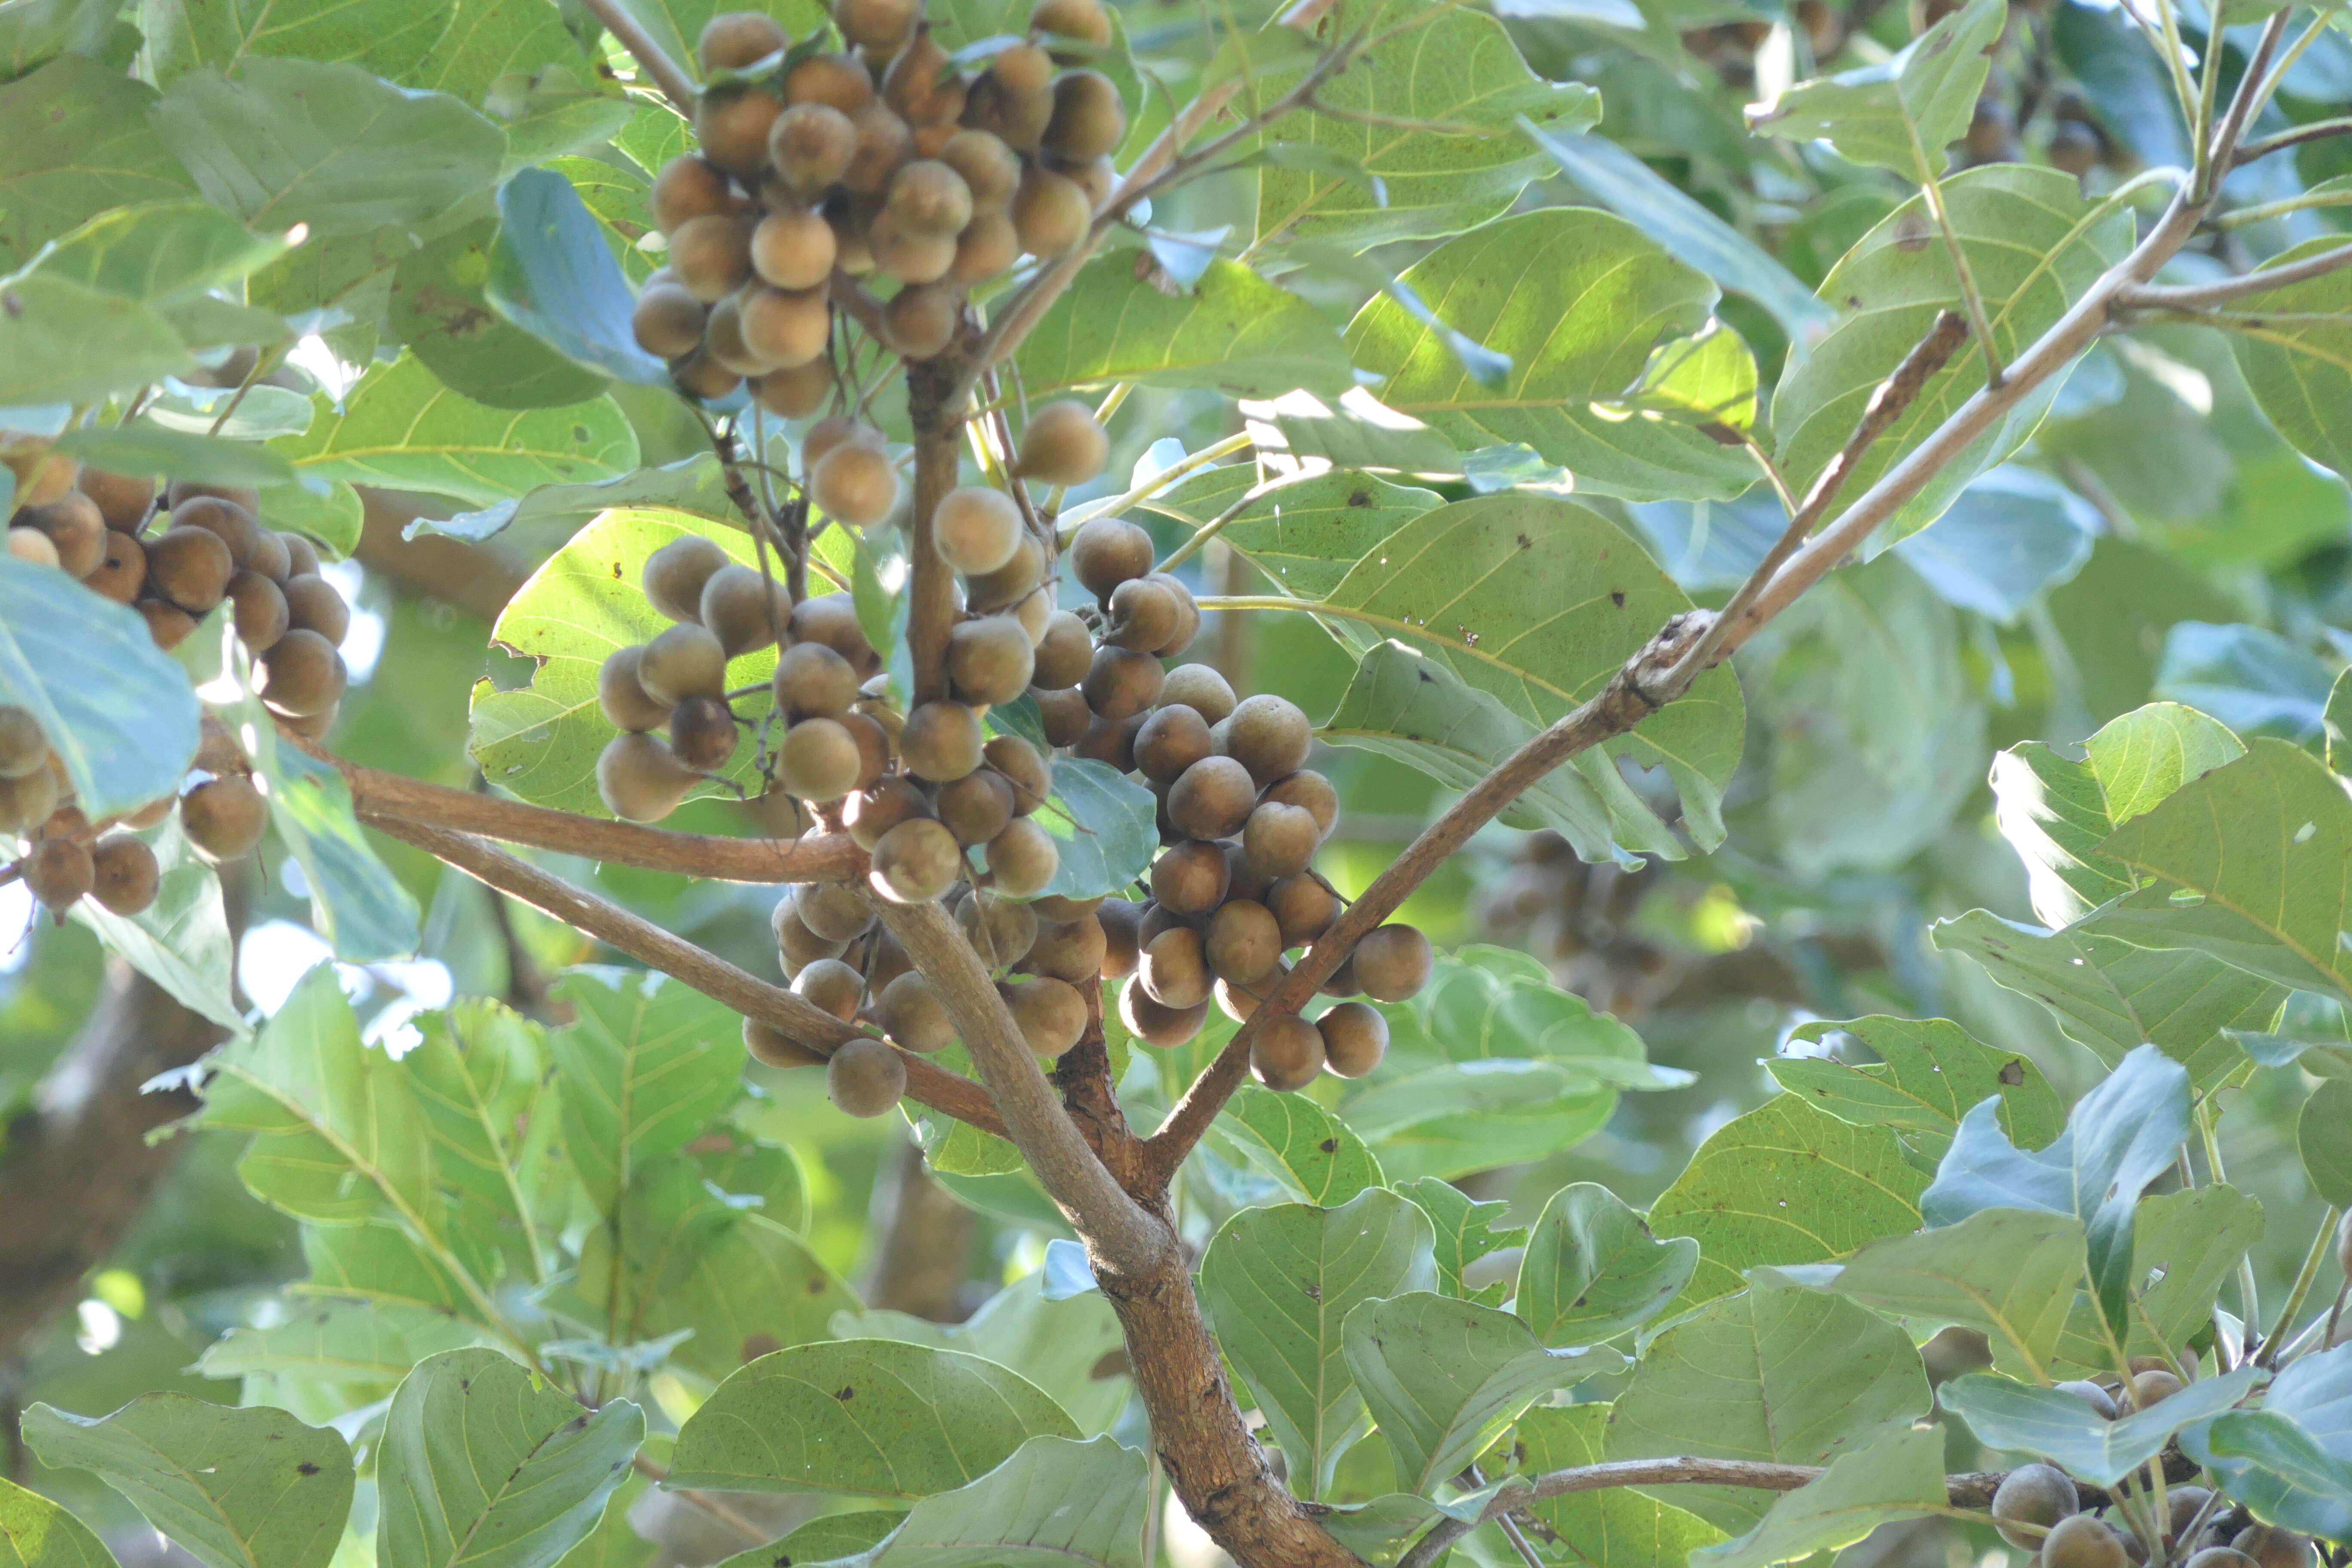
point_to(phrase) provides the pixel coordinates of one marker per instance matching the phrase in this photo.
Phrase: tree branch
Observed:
(927, 1082)
(2318, 130)
(2196, 296)
(664, 72)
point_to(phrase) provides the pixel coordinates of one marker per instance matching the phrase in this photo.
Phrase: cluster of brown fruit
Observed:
(2038, 1507)
(880, 161)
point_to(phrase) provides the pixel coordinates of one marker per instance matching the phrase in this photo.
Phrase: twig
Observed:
(676, 85)
(2194, 296)
(2245, 217)
(2218, 157)
(1214, 527)
(935, 408)
(1174, 474)
(2318, 130)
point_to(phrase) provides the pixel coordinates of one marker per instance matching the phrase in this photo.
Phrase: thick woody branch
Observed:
(1120, 1235)
(664, 72)
(804, 1021)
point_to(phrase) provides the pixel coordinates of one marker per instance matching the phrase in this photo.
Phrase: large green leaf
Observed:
(2254, 865)
(159, 254)
(364, 1342)
(2322, 1137)
(1232, 331)
(37, 1533)
(1899, 1475)
(1615, 1528)
(2294, 344)
(2059, 1427)
(1458, 69)
(1537, 602)
(1443, 1377)
(1309, 1151)
(1059, 1343)
(1054, 1502)
(2010, 1274)
(485, 1464)
(389, 39)
(1593, 1269)
(2034, 247)
(1929, 1074)
(541, 741)
(2109, 625)
(62, 343)
(1787, 1184)
(644, 1065)
(441, 314)
(2299, 1473)
(239, 1488)
(870, 1417)
(1578, 298)
(73, 141)
(1466, 1230)
(1748, 1378)
(115, 709)
(2185, 1246)
(400, 428)
(1900, 115)
(1307, 531)
(294, 140)
(480, 1075)
(1279, 1283)
(151, 450)
(552, 276)
(37, 31)
(379, 1263)
(1104, 828)
(821, 1540)
(181, 941)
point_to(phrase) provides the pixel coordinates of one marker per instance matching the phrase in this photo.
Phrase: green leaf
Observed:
(2007, 536)
(1459, 69)
(1232, 331)
(370, 1343)
(2110, 997)
(37, 1533)
(440, 313)
(262, 412)
(1616, 1528)
(834, 1536)
(541, 741)
(387, 37)
(1787, 1184)
(491, 42)
(2336, 722)
(60, 342)
(1593, 1270)
(486, 1463)
(1105, 826)
(555, 512)
(160, 254)
(2111, 619)
(239, 1488)
(36, 31)
(1465, 1232)
(2323, 1136)
(1899, 1475)
(75, 142)
(480, 1075)
(145, 449)
(379, 1263)
(1442, 1378)
(332, 522)
(116, 710)
(2056, 813)
(2250, 677)
(1309, 1151)
(181, 941)
(1900, 115)
(1578, 298)
(2295, 1479)
(1746, 1379)
(2030, 243)
(2062, 1428)
(355, 901)
(1306, 532)
(2259, 857)
(2185, 1246)
(1054, 1502)
(1058, 1343)
(1537, 602)
(1279, 1282)
(400, 428)
(553, 278)
(551, 112)
(645, 1063)
(869, 1417)
(1706, 381)
(2119, 1137)
(1929, 1074)
(2010, 1274)
(293, 140)
(2294, 345)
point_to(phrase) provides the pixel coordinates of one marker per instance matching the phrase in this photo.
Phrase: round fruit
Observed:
(795, 392)
(832, 985)
(191, 567)
(637, 779)
(1244, 943)
(1063, 715)
(818, 760)
(743, 609)
(270, 557)
(734, 40)
(624, 700)
(312, 604)
(1310, 790)
(233, 523)
(2222, 1557)
(31, 546)
(1354, 1038)
(1268, 735)
(2030, 1494)
(1107, 552)
(58, 871)
(999, 931)
(2272, 1547)
(1023, 858)
(1084, 21)
(1279, 840)
(813, 681)
(990, 170)
(882, 143)
(1121, 950)
(123, 499)
(831, 619)
(840, 82)
(912, 1015)
(1089, 120)
(1286, 1052)
(77, 529)
(864, 1077)
(26, 803)
(797, 947)
(907, 257)
(832, 911)
(1030, 774)
(1143, 615)
(1190, 879)
(1154, 1023)
(124, 874)
(674, 576)
(2091, 1395)
(301, 675)
(2150, 1387)
(928, 197)
(689, 187)
(810, 145)
(1051, 1014)
(1071, 951)
(1050, 214)
(24, 749)
(258, 607)
(976, 528)
(121, 571)
(856, 483)
(875, 812)
(1393, 963)
(773, 1047)
(2082, 1542)
(782, 328)
(916, 861)
(682, 662)
(990, 660)
(920, 321)
(700, 375)
(1303, 906)
(924, 87)
(1212, 798)
(1064, 652)
(976, 806)
(667, 321)
(941, 741)
(880, 25)
(792, 249)
(731, 129)
(712, 255)
(1174, 968)
(1064, 444)
(224, 818)
(702, 733)
(1121, 683)
(1011, 582)
(1199, 688)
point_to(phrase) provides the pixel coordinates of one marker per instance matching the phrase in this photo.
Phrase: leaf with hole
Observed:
(1929, 1074)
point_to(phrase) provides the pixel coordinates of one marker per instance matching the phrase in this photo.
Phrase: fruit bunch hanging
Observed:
(881, 166)
(203, 548)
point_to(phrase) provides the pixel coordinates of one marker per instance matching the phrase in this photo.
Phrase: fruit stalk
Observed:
(676, 85)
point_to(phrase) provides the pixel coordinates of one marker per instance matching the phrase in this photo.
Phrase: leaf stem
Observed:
(2196, 296)
(2320, 1244)
(664, 72)
(2318, 129)
(2309, 201)
(1214, 527)
(1931, 191)
(1166, 478)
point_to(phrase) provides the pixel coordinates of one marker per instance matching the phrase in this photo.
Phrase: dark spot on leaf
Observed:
(11, 303)
(1359, 498)
(1525, 543)
(1329, 1145)
(1617, 597)
(616, 572)
(580, 433)
(1578, 1302)
(307, 1468)
(847, 1393)
(2012, 1073)
(1314, 1293)
(1913, 232)
(465, 1386)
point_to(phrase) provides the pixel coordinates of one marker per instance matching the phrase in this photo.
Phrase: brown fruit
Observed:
(722, 338)
(837, 81)
(58, 871)
(912, 1015)
(122, 570)
(1268, 735)
(2272, 1547)
(1172, 739)
(1051, 214)
(623, 698)
(1021, 859)
(702, 733)
(168, 625)
(712, 255)
(873, 812)
(989, 660)
(638, 780)
(792, 249)
(830, 910)
(920, 321)
(674, 574)
(77, 528)
(1089, 120)
(1111, 741)
(1310, 790)
(976, 806)
(783, 328)
(1064, 444)
(301, 675)
(734, 40)
(42, 475)
(731, 128)
(2222, 1557)
(1098, 178)
(910, 258)
(1212, 798)
(990, 170)
(1187, 616)
(1084, 21)
(1155, 1022)
(1279, 840)
(976, 528)
(700, 375)
(831, 619)
(191, 567)
(941, 741)
(923, 86)
(1121, 683)
(1243, 942)
(1286, 1052)
(832, 985)
(881, 25)
(224, 818)
(796, 390)
(690, 187)
(1120, 920)
(1023, 67)
(1354, 1038)
(26, 803)
(819, 760)
(882, 143)
(259, 609)
(1143, 615)
(684, 661)
(31, 546)
(986, 592)
(1065, 653)
(855, 482)
(797, 947)
(1071, 951)
(1174, 969)
(813, 681)
(927, 197)
(1303, 908)
(2030, 1494)
(312, 604)
(772, 1046)
(301, 556)
(24, 749)
(1393, 963)
(1051, 1014)
(1190, 879)
(743, 609)
(123, 499)
(2150, 1387)
(1199, 688)
(916, 861)
(986, 249)
(2091, 1395)
(810, 146)
(864, 1077)
(2083, 1541)
(1015, 115)
(270, 556)
(1030, 773)
(124, 876)
(1105, 552)
(1065, 715)
(999, 930)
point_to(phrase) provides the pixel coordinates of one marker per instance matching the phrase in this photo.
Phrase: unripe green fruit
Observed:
(2032, 1494)
(638, 780)
(702, 733)
(916, 861)
(1023, 858)
(682, 662)
(258, 607)
(987, 592)
(1071, 951)
(792, 249)
(712, 255)
(818, 760)
(856, 483)
(124, 875)
(839, 81)
(976, 806)
(1089, 120)
(191, 567)
(1082, 21)
(810, 145)
(1211, 798)
(224, 818)
(1286, 1052)
(743, 609)
(1064, 716)
(877, 810)
(1393, 963)
(1354, 1038)
(731, 129)
(976, 528)
(865, 1078)
(734, 40)
(690, 187)
(1244, 943)
(941, 741)
(990, 170)
(913, 1015)
(989, 660)
(674, 576)
(1064, 444)
(301, 675)
(1190, 879)
(1121, 683)
(1030, 773)
(773, 1047)
(920, 319)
